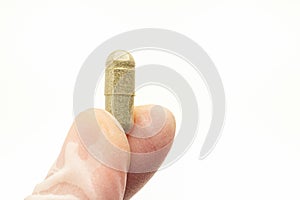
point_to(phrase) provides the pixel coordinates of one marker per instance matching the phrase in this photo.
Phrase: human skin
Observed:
(78, 174)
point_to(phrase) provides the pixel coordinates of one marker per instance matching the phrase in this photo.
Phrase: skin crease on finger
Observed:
(78, 175)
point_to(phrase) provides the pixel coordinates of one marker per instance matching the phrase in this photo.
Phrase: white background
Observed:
(254, 44)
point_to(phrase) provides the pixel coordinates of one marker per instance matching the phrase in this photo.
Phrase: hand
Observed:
(79, 174)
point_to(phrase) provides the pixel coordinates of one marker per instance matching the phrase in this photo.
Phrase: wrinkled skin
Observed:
(77, 174)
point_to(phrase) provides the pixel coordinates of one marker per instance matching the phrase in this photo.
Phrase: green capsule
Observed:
(120, 87)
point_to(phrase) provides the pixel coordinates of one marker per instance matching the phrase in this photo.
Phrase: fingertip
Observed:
(103, 138)
(154, 125)
(102, 122)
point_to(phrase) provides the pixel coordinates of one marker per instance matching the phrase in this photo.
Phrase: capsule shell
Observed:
(120, 87)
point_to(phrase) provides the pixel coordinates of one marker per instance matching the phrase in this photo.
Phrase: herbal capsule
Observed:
(120, 86)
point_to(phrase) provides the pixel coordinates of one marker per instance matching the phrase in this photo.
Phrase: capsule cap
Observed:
(120, 58)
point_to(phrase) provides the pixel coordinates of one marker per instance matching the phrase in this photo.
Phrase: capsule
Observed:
(120, 87)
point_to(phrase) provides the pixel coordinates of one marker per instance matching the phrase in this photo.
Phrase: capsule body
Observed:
(120, 87)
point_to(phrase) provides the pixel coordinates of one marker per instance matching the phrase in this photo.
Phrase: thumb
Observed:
(87, 167)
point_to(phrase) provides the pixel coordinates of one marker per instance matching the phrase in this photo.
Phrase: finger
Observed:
(78, 173)
(150, 140)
